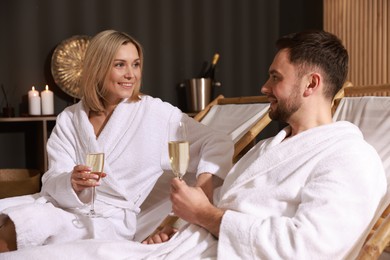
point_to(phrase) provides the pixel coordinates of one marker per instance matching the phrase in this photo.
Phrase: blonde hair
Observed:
(98, 61)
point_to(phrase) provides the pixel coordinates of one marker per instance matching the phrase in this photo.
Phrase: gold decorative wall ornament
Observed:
(66, 64)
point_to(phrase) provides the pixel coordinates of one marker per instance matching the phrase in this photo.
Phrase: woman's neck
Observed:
(109, 107)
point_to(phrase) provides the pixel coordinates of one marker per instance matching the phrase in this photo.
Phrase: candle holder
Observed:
(8, 112)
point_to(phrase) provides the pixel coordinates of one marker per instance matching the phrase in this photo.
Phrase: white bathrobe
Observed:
(135, 142)
(311, 196)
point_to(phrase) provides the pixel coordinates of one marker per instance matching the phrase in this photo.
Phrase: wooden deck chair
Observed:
(378, 241)
(339, 95)
(242, 118)
(369, 108)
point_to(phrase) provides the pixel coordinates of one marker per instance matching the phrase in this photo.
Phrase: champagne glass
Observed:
(96, 162)
(179, 148)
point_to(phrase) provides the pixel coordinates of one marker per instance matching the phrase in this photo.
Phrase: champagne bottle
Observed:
(210, 73)
(203, 71)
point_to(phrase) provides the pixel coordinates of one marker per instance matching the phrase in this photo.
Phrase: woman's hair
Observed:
(98, 61)
(318, 49)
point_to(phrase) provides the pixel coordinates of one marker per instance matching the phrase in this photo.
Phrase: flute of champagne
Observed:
(96, 162)
(178, 148)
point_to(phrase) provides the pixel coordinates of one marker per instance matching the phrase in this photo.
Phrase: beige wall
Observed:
(364, 28)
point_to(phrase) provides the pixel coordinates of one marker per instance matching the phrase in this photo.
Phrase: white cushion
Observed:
(234, 119)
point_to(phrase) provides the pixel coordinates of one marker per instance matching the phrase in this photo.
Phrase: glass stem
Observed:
(93, 200)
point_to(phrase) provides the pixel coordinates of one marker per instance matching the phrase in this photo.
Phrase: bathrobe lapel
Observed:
(288, 154)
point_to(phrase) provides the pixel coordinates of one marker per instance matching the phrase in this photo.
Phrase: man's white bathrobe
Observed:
(135, 143)
(311, 196)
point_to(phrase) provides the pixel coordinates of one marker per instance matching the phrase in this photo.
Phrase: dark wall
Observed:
(177, 36)
(297, 15)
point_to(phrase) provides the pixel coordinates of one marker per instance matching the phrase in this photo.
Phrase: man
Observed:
(310, 192)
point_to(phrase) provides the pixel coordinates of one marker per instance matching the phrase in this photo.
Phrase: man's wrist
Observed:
(211, 219)
(205, 181)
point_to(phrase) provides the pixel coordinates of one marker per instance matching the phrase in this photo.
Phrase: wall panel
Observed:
(363, 26)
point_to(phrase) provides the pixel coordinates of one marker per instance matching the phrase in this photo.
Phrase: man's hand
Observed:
(192, 205)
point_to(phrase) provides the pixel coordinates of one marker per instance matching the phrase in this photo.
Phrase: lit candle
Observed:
(47, 101)
(34, 102)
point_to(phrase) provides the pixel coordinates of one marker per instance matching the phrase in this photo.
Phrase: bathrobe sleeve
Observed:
(61, 148)
(315, 229)
(210, 151)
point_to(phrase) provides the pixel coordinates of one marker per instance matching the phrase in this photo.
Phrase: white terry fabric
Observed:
(372, 116)
(308, 197)
(136, 153)
(311, 196)
(195, 243)
(234, 119)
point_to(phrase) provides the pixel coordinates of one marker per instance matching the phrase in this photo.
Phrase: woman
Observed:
(131, 129)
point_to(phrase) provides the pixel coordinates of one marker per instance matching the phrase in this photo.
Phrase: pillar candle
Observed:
(47, 101)
(34, 102)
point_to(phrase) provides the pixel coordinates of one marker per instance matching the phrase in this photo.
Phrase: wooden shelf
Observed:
(28, 118)
(36, 130)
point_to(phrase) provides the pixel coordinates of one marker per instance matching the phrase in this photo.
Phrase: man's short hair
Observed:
(319, 49)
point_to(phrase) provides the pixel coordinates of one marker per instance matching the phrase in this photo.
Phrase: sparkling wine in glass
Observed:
(96, 162)
(179, 148)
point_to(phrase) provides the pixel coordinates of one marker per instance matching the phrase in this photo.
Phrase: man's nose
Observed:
(265, 89)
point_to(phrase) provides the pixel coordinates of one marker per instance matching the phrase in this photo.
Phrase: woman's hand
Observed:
(162, 236)
(83, 178)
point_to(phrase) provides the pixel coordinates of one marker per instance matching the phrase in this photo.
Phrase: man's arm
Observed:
(192, 205)
(205, 182)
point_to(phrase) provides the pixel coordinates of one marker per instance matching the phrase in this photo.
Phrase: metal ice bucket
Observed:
(198, 93)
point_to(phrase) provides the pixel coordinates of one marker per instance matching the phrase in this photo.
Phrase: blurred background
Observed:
(177, 36)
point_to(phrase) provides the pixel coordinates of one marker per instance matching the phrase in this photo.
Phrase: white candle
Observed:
(47, 101)
(34, 102)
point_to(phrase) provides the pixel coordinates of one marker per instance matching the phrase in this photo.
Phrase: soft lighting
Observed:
(34, 102)
(47, 101)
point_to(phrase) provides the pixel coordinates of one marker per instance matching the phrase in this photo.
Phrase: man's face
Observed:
(283, 88)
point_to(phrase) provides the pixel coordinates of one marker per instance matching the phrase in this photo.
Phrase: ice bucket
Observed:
(198, 93)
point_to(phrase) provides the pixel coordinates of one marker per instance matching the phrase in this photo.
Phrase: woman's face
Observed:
(124, 75)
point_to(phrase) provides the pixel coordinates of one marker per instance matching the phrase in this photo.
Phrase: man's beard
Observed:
(285, 108)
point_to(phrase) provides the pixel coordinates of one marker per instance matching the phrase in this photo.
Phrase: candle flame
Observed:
(47, 87)
(33, 88)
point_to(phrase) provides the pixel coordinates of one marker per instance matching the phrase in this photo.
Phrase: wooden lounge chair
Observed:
(369, 108)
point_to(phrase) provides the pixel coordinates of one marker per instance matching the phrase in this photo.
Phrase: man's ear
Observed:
(312, 85)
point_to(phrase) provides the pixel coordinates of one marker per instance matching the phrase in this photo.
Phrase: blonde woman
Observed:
(131, 128)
